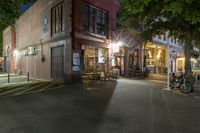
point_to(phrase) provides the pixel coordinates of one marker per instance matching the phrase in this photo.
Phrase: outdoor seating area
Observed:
(138, 73)
(102, 76)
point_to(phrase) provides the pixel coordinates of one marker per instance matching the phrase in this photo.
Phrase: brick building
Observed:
(59, 39)
(93, 22)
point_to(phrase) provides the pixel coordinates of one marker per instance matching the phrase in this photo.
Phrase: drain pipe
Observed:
(42, 56)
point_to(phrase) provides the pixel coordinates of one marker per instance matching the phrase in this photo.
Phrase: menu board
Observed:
(76, 62)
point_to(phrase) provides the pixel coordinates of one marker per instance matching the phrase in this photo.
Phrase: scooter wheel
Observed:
(186, 88)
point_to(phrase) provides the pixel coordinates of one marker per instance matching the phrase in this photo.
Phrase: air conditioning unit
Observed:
(31, 50)
(25, 52)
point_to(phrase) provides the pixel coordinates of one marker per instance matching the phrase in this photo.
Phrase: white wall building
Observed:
(175, 56)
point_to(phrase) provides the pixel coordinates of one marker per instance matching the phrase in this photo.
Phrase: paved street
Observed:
(126, 106)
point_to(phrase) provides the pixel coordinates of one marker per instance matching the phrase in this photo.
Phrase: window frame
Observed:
(93, 21)
(57, 19)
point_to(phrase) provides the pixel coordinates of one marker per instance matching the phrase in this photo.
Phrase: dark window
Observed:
(101, 18)
(175, 41)
(159, 37)
(94, 20)
(172, 39)
(164, 37)
(57, 19)
(85, 18)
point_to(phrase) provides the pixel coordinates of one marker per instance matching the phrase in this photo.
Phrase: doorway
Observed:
(57, 63)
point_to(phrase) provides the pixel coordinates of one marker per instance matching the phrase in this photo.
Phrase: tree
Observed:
(180, 18)
(9, 11)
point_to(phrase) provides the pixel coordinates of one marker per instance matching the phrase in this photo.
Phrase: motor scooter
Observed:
(180, 83)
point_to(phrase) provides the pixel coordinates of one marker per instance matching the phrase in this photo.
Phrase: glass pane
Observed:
(85, 9)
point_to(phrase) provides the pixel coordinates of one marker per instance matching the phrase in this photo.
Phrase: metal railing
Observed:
(13, 78)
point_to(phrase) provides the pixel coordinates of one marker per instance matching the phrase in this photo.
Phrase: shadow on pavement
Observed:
(76, 108)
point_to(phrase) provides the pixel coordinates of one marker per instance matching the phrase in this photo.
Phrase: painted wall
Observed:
(8, 47)
(32, 32)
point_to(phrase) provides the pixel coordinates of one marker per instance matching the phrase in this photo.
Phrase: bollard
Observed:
(8, 77)
(28, 76)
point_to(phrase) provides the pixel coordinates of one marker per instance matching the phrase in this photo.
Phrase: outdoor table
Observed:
(93, 76)
(89, 75)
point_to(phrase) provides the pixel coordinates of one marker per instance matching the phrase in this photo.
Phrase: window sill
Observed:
(95, 35)
(57, 34)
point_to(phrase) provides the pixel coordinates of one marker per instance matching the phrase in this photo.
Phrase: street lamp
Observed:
(15, 53)
(168, 70)
(116, 46)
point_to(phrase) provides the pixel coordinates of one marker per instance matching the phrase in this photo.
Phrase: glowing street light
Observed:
(116, 46)
(119, 44)
(15, 53)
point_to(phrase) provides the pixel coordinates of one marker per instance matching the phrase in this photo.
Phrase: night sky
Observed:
(26, 6)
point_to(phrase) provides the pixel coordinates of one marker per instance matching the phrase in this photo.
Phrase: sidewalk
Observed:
(14, 79)
(6, 74)
(159, 78)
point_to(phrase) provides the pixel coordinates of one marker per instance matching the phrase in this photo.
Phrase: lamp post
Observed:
(168, 70)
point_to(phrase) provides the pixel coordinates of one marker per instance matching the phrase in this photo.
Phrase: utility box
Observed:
(31, 50)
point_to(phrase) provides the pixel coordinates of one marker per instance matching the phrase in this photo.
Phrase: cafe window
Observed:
(94, 20)
(57, 19)
(94, 59)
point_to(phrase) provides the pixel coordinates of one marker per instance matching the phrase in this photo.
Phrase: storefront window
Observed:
(195, 64)
(155, 59)
(180, 65)
(150, 56)
(95, 59)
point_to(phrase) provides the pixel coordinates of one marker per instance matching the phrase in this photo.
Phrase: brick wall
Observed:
(112, 6)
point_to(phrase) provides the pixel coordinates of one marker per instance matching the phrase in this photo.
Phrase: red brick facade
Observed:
(111, 6)
(32, 32)
(79, 37)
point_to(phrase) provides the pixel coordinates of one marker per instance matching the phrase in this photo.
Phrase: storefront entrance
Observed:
(117, 60)
(120, 65)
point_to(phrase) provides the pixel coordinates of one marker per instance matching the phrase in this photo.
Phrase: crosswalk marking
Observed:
(21, 87)
(46, 87)
(36, 87)
(31, 88)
